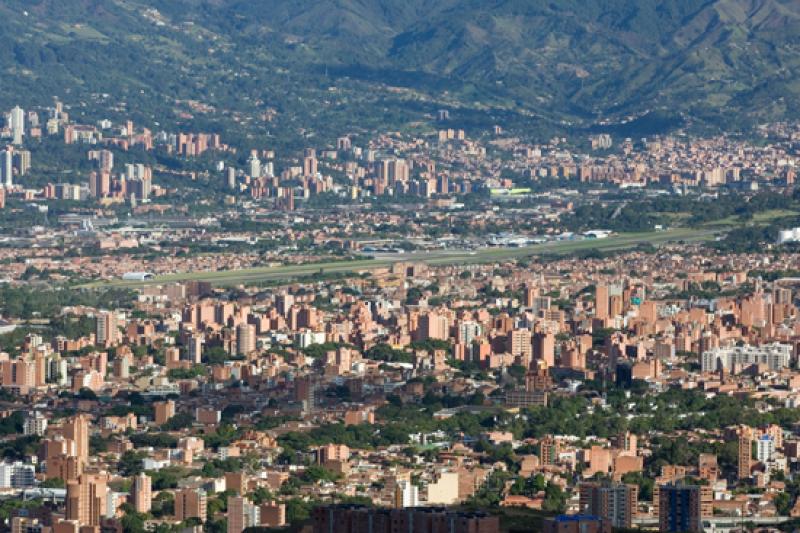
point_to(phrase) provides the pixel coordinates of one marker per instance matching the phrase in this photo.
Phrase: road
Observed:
(435, 257)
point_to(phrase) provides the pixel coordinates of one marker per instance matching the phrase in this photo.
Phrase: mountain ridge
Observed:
(579, 62)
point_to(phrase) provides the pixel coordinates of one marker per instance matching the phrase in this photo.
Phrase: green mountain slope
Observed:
(722, 63)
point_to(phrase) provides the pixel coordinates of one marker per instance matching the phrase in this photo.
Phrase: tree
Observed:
(555, 500)
(163, 504)
(384, 352)
(491, 492)
(530, 486)
(132, 522)
(166, 478)
(186, 373)
(130, 464)
(315, 473)
(644, 483)
(783, 503)
(298, 510)
(219, 503)
(260, 495)
(215, 355)
(538, 482)
(517, 372)
(224, 435)
(413, 295)
(216, 526)
(156, 440)
(53, 483)
(180, 421)
(86, 394)
(97, 444)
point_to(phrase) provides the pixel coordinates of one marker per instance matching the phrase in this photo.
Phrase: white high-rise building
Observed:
(35, 424)
(112, 503)
(7, 166)
(135, 171)
(17, 475)
(254, 165)
(765, 448)
(17, 124)
(406, 494)
(469, 331)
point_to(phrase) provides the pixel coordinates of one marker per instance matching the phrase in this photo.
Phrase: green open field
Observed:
(763, 217)
(259, 274)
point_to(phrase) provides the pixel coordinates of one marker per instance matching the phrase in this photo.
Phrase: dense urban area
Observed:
(579, 335)
(246, 287)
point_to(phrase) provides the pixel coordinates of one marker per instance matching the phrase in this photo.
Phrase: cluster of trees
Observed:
(163, 506)
(10, 505)
(747, 239)
(318, 351)
(216, 355)
(154, 439)
(27, 302)
(384, 352)
(186, 373)
(356, 436)
(224, 435)
(641, 413)
(19, 448)
(430, 345)
(725, 205)
(131, 463)
(138, 409)
(490, 493)
(681, 451)
(218, 467)
(773, 274)
(312, 474)
(180, 421)
(615, 217)
(644, 214)
(710, 290)
(12, 424)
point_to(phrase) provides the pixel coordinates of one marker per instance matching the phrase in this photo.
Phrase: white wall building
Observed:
(776, 356)
(407, 494)
(765, 448)
(789, 235)
(35, 424)
(17, 475)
